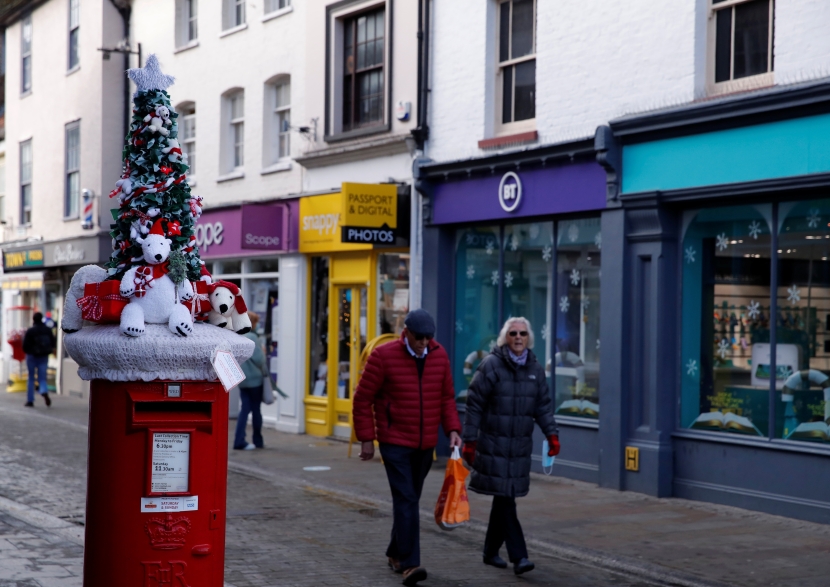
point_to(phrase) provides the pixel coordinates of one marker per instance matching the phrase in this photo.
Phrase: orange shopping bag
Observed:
(453, 508)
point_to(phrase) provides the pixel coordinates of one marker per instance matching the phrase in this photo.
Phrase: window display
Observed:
(576, 358)
(318, 335)
(726, 366)
(393, 292)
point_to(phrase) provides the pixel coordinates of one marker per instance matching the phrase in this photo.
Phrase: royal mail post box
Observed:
(157, 482)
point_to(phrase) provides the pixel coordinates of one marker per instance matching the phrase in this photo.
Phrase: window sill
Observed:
(278, 13)
(71, 218)
(577, 422)
(232, 30)
(236, 174)
(504, 141)
(745, 84)
(191, 45)
(276, 167)
(359, 132)
(73, 70)
(26, 94)
(753, 441)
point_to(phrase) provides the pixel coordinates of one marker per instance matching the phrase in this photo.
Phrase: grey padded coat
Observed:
(503, 401)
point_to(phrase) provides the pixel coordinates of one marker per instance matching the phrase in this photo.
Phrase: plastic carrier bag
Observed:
(453, 507)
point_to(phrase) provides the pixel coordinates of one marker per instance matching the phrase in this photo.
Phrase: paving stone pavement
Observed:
(277, 533)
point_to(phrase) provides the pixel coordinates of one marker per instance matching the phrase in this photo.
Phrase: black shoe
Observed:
(47, 399)
(28, 405)
(495, 561)
(523, 566)
(414, 575)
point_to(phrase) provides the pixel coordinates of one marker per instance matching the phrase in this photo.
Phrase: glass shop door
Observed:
(351, 312)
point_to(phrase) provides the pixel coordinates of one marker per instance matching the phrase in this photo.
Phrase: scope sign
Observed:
(208, 234)
(510, 192)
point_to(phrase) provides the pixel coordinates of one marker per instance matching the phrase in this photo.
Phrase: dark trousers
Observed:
(251, 399)
(406, 469)
(37, 365)
(504, 527)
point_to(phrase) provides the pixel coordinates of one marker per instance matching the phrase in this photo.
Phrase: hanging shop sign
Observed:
(560, 189)
(247, 229)
(369, 213)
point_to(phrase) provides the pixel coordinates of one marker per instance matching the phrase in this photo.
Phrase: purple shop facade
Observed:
(560, 189)
(248, 230)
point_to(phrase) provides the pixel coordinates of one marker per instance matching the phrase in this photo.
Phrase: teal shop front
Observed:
(727, 300)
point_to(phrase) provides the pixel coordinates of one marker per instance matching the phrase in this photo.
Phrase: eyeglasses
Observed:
(515, 333)
(420, 337)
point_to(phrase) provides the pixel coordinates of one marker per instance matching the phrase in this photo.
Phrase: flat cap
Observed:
(420, 322)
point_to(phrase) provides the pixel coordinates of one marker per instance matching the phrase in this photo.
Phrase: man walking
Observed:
(38, 344)
(408, 383)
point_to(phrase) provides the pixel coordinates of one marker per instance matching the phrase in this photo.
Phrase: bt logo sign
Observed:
(510, 192)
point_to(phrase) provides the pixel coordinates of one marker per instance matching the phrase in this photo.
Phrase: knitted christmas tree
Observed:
(153, 189)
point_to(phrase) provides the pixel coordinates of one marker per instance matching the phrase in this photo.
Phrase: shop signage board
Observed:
(23, 259)
(574, 187)
(369, 205)
(79, 251)
(248, 229)
(263, 227)
(320, 227)
(22, 281)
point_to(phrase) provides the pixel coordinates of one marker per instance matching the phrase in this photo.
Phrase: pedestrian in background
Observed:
(38, 344)
(404, 393)
(250, 392)
(509, 391)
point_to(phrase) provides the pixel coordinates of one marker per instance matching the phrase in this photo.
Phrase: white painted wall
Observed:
(91, 94)
(244, 59)
(596, 61)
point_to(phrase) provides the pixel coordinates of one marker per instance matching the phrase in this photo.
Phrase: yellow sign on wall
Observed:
(320, 222)
(369, 205)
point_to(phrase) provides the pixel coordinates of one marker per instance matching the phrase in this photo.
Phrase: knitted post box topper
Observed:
(154, 298)
(228, 309)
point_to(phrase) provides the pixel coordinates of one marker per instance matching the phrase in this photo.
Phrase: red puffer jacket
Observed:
(407, 410)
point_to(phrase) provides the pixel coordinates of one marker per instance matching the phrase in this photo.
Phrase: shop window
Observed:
(228, 267)
(233, 14)
(726, 369)
(577, 306)
(187, 23)
(393, 292)
(234, 131)
(363, 69)
(318, 340)
(741, 42)
(72, 159)
(274, 5)
(74, 33)
(26, 182)
(477, 301)
(516, 76)
(187, 136)
(263, 265)
(802, 395)
(277, 133)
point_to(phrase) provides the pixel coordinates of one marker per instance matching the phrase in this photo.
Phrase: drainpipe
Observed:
(421, 132)
(124, 8)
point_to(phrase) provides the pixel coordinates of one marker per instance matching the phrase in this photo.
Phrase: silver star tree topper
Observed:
(150, 77)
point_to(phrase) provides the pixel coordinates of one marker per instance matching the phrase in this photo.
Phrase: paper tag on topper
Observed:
(227, 369)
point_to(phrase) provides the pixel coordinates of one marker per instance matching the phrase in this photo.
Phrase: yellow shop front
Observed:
(358, 290)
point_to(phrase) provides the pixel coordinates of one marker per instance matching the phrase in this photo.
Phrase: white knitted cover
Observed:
(102, 352)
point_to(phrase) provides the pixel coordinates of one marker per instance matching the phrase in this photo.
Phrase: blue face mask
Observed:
(547, 462)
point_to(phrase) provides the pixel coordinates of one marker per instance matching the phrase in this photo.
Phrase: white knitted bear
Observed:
(228, 309)
(159, 121)
(154, 298)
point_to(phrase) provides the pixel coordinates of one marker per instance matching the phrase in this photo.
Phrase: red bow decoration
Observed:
(166, 170)
(174, 228)
(145, 275)
(91, 306)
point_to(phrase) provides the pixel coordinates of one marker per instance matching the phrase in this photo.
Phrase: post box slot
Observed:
(172, 411)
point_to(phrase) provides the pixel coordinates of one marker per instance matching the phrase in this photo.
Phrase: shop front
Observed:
(357, 245)
(247, 244)
(526, 240)
(35, 279)
(727, 252)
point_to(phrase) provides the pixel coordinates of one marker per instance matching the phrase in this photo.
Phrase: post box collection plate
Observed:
(170, 468)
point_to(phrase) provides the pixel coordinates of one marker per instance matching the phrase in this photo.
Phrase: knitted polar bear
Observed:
(154, 298)
(228, 309)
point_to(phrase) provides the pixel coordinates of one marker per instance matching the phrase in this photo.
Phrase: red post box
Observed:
(157, 483)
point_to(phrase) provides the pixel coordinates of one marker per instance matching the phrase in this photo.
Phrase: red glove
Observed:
(553, 445)
(468, 453)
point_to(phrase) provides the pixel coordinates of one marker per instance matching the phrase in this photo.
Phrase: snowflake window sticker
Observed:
(471, 271)
(722, 242)
(689, 254)
(723, 348)
(575, 277)
(494, 277)
(794, 294)
(754, 310)
(489, 247)
(585, 303)
(755, 229)
(514, 242)
(534, 231)
(691, 368)
(546, 253)
(813, 218)
(598, 240)
(459, 326)
(471, 239)
(508, 279)
(564, 304)
(544, 331)
(573, 233)
(597, 344)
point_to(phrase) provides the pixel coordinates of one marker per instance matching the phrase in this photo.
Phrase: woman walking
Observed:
(250, 392)
(509, 391)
